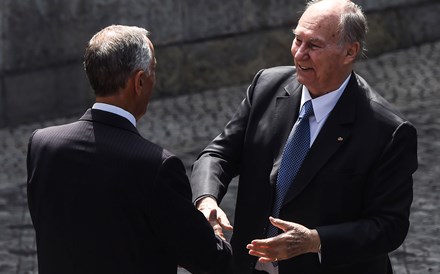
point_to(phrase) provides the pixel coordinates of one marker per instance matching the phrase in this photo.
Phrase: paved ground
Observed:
(409, 78)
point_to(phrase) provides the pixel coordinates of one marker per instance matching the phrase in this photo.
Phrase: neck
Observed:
(321, 92)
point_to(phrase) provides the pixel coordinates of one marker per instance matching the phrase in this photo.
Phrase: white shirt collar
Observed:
(115, 110)
(322, 105)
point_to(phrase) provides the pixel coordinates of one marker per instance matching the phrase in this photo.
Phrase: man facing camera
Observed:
(319, 150)
(102, 198)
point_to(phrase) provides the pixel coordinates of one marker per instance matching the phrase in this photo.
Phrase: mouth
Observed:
(303, 67)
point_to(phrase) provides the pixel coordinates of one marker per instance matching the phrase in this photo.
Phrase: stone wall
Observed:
(200, 44)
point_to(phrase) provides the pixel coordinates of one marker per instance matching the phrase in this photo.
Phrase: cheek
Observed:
(322, 63)
(293, 49)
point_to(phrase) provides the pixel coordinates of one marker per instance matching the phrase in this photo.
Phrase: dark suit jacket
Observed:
(105, 200)
(354, 187)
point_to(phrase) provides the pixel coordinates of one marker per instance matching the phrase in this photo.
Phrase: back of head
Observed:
(113, 54)
(352, 22)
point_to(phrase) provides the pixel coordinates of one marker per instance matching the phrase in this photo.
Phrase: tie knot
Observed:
(308, 109)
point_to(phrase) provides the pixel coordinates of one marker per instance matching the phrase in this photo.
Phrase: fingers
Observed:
(267, 260)
(220, 222)
(263, 258)
(259, 248)
(212, 215)
(281, 224)
(215, 215)
(295, 240)
(223, 220)
(262, 243)
(213, 220)
(219, 216)
(218, 231)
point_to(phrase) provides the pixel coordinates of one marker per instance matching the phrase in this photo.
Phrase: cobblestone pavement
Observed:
(409, 78)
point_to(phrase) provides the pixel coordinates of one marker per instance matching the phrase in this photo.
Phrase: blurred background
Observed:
(208, 52)
(200, 44)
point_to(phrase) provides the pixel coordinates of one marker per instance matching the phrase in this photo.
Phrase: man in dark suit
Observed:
(102, 198)
(347, 204)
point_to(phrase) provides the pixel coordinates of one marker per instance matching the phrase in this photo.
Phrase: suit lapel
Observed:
(335, 132)
(286, 113)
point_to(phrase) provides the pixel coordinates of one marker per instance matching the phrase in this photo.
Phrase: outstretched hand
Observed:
(295, 240)
(215, 215)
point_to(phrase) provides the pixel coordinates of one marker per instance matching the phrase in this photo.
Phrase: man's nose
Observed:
(301, 52)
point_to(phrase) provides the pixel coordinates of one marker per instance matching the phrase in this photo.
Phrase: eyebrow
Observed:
(312, 39)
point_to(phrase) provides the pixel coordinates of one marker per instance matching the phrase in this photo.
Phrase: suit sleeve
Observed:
(30, 179)
(180, 227)
(219, 162)
(388, 195)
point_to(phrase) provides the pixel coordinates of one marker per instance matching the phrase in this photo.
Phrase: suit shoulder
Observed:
(278, 72)
(266, 80)
(146, 148)
(55, 131)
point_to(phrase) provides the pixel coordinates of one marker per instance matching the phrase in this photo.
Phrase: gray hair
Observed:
(353, 25)
(113, 55)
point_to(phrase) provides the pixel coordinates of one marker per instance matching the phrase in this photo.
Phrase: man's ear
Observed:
(352, 52)
(139, 81)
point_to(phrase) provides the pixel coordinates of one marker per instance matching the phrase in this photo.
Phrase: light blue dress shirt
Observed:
(322, 106)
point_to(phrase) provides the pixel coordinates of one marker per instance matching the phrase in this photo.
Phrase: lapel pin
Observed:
(340, 139)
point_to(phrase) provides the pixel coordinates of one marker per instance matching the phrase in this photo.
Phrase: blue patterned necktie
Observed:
(294, 152)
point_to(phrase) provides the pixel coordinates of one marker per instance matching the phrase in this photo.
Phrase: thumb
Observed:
(281, 224)
(215, 224)
(213, 215)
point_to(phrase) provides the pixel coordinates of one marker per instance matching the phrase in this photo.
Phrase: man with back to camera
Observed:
(102, 198)
(320, 151)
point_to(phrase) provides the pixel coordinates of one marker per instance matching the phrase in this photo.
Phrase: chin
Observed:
(302, 80)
